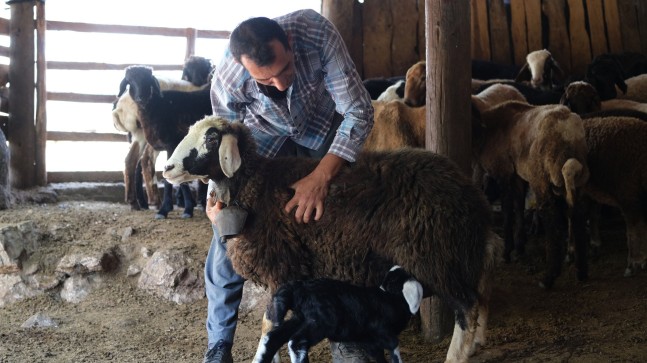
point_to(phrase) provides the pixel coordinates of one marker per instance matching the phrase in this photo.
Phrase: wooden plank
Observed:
(22, 135)
(480, 30)
(41, 98)
(378, 32)
(629, 26)
(500, 33)
(341, 14)
(558, 39)
(133, 29)
(596, 27)
(85, 176)
(96, 66)
(533, 23)
(357, 44)
(5, 26)
(518, 30)
(404, 43)
(85, 136)
(612, 18)
(579, 37)
(80, 97)
(191, 35)
(5, 51)
(641, 12)
(422, 38)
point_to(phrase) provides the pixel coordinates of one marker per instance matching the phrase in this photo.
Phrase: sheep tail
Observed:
(571, 169)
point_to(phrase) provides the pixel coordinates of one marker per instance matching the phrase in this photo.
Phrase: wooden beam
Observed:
(629, 27)
(404, 44)
(41, 97)
(378, 32)
(133, 29)
(533, 21)
(480, 30)
(519, 31)
(448, 98)
(85, 136)
(596, 27)
(500, 33)
(22, 133)
(92, 66)
(612, 18)
(558, 38)
(580, 43)
(80, 97)
(85, 176)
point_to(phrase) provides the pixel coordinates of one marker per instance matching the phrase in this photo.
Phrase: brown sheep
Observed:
(411, 207)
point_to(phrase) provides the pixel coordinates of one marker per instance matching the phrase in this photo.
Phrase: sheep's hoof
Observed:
(160, 216)
(187, 215)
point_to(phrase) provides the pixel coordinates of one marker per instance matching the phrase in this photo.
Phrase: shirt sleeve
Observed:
(227, 100)
(351, 98)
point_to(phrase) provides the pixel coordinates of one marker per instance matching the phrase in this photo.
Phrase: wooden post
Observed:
(22, 133)
(41, 97)
(191, 35)
(448, 111)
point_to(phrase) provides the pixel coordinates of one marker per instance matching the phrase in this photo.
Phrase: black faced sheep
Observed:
(545, 146)
(165, 117)
(412, 208)
(372, 317)
(608, 72)
(197, 70)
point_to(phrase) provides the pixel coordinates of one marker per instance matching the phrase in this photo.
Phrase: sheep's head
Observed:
(604, 74)
(197, 70)
(541, 69)
(581, 98)
(398, 281)
(415, 87)
(213, 149)
(143, 85)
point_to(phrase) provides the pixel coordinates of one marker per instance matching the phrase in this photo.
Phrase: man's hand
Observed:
(311, 191)
(213, 208)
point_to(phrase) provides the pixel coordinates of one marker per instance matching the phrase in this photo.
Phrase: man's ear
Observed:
(290, 40)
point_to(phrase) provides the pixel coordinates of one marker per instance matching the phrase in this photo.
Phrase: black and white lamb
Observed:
(165, 117)
(410, 207)
(372, 317)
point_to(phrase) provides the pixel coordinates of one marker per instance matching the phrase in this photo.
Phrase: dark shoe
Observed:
(220, 353)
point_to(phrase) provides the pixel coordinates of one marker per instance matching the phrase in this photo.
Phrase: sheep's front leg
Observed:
(129, 176)
(147, 161)
(189, 201)
(266, 326)
(167, 201)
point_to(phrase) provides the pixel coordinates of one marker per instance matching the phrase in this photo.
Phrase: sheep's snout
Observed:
(169, 167)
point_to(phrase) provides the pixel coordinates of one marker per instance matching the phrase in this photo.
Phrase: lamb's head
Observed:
(197, 70)
(143, 85)
(541, 69)
(415, 87)
(581, 97)
(604, 74)
(398, 281)
(213, 149)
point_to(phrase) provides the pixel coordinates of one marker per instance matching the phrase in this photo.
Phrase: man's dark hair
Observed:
(252, 37)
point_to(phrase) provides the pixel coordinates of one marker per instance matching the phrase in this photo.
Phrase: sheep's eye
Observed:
(211, 139)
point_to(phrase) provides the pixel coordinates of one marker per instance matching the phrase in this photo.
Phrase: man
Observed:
(292, 81)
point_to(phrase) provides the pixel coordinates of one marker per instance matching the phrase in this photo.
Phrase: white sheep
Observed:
(544, 146)
(636, 89)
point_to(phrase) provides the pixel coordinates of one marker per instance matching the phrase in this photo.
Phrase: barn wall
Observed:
(387, 36)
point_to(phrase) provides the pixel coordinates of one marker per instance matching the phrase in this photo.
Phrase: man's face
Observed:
(279, 74)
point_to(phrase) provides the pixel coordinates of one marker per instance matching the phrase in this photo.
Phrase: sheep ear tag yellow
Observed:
(229, 155)
(230, 220)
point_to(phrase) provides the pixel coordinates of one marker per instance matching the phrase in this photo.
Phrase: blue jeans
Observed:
(223, 286)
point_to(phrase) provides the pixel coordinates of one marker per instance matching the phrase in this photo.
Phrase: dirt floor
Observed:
(601, 320)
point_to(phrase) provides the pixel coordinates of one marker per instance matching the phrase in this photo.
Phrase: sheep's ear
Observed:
(122, 87)
(156, 87)
(205, 180)
(412, 291)
(229, 155)
(524, 74)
